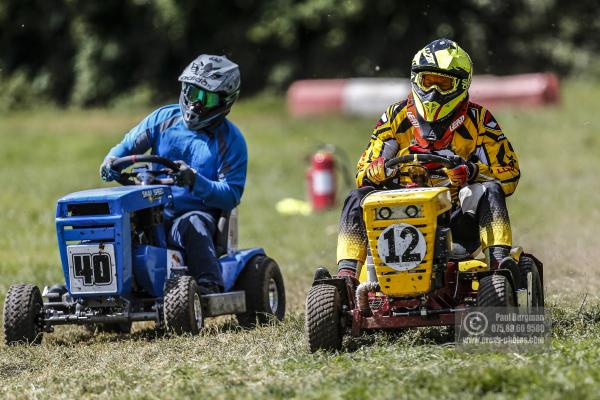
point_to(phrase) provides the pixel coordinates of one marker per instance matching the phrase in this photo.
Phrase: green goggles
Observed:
(197, 95)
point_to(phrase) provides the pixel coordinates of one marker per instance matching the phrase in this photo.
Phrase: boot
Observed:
(495, 254)
(498, 257)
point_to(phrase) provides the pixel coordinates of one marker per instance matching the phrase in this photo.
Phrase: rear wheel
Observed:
(322, 321)
(23, 315)
(182, 306)
(495, 291)
(262, 282)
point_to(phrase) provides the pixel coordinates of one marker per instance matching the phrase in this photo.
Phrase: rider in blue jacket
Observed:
(212, 156)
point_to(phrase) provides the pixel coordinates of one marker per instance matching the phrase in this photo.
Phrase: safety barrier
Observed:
(371, 96)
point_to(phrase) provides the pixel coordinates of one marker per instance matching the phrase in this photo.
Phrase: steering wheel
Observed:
(144, 176)
(422, 158)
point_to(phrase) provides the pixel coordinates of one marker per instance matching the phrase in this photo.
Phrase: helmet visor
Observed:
(198, 96)
(444, 84)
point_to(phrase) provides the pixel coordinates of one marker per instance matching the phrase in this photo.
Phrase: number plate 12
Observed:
(401, 246)
(92, 268)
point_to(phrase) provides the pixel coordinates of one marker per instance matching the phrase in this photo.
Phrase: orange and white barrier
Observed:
(371, 96)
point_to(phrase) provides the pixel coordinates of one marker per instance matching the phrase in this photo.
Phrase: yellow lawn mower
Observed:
(414, 275)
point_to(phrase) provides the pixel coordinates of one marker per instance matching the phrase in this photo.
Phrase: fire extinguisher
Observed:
(321, 182)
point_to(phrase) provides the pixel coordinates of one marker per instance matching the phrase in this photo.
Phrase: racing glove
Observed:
(376, 171)
(186, 176)
(107, 173)
(462, 174)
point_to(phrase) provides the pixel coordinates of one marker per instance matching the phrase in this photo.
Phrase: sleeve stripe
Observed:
(166, 124)
(382, 130)
(225, 167)
(513, 179)
(404, 125)
(472, 116)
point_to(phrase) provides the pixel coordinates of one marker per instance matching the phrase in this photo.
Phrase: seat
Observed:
(222, 233)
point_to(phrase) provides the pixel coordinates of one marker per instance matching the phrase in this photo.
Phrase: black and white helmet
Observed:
(209, 87)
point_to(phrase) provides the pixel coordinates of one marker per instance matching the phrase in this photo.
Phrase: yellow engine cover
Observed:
(401, 227)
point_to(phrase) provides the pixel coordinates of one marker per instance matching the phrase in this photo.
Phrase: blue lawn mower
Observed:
(118, 268)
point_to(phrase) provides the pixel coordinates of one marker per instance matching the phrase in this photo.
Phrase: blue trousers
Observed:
(193, 232)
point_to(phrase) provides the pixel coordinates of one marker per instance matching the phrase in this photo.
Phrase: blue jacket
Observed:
(219, 156)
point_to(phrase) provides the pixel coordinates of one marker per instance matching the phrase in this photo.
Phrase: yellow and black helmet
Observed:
(440, 76)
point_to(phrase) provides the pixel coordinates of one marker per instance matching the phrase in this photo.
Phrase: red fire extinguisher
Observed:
(321, 182)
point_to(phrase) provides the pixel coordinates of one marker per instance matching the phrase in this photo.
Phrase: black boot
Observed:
(495, 255)
(499, 258)
(321, 273)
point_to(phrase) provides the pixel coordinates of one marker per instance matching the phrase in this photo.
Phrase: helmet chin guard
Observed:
(435, 135)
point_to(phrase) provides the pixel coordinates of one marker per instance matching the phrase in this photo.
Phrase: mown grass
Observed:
(50, 153)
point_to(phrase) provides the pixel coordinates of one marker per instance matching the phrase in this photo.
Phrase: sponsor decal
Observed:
(428, 56)
(153, 194)
(457, 122)
(412, 119)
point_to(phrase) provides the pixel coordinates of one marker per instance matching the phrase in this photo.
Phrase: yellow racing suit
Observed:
(478, 139)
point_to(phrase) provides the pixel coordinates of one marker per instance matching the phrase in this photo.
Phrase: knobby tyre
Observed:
(182, 307)
(262, 282)
(322, 321)
(23, 315)
(495, 291)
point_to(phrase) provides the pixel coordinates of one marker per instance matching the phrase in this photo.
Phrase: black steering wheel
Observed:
(422, 158)
(144, 176)
(449, 162)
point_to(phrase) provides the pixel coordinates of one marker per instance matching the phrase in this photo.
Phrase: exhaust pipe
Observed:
(362, 296)
(372, 285)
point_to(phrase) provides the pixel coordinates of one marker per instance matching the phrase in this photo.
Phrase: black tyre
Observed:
(182, 306)
(262, 282)
(527, 265)
(23, 315)
(322, 319)
(495, 291)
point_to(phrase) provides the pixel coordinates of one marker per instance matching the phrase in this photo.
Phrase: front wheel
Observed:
(262, 282)
(23, 315)
(322, 321)
(182, 306)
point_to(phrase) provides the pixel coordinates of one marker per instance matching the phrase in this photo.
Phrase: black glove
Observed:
(107, 173)
(186, 176)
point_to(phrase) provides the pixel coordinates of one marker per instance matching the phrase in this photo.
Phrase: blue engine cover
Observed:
(101, 217)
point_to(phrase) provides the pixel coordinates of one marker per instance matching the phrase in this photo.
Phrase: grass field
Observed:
(46, 154)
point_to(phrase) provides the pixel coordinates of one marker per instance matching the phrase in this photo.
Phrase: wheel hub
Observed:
(273, 296)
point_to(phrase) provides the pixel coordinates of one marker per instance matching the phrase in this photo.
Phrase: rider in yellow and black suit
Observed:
(438, 118)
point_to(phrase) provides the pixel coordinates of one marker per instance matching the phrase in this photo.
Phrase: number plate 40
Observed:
(401, 247)
(92, 268)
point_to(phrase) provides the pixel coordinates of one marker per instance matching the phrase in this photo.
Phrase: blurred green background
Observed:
(75, 75)
(82, 52)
